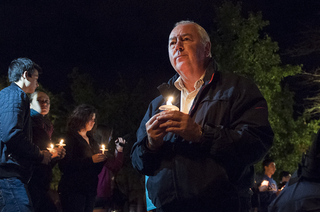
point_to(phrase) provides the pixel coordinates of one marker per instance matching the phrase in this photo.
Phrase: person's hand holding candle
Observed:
(264, 186)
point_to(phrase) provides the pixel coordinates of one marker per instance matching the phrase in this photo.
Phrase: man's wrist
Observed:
(149, 146)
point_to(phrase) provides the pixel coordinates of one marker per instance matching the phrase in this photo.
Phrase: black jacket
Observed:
(42, 130)
(236, 135)
(79, 173)
(18, 153)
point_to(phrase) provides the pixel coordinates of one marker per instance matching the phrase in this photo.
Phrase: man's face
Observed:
(271, 168)
(32, 82)
(44, 103)
(186, 51)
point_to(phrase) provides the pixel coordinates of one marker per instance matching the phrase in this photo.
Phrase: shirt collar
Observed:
(180, 86)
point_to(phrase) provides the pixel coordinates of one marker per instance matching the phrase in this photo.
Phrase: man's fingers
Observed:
(170, 123)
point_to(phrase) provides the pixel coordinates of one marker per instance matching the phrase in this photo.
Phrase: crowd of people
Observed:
(197, 151)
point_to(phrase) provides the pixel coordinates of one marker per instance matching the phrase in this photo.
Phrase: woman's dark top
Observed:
(42, 130)
(79, 173)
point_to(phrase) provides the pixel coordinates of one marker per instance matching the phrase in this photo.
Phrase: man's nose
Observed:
(179, 45)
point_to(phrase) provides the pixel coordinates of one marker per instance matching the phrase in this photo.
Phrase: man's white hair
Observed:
(203, 33)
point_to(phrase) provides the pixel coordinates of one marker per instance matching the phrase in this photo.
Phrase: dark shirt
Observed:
(42, 130)
(79, 173)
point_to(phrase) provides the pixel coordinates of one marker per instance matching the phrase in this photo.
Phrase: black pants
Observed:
(41, 200)
(77, 202)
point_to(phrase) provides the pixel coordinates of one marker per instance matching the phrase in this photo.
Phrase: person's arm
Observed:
(145, 160)
(115, 163)
(248, 137)
(16, 132)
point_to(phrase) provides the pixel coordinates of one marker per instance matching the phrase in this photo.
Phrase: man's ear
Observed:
(24, 74)
(207, 49)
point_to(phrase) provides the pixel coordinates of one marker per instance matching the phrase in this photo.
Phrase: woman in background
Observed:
(82, 164)
(42, 129)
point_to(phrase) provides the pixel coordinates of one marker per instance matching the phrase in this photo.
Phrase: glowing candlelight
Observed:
(169, 105)
(103, 148)
(169, 101)
(51, 149)
(265, 183)
(61, 144)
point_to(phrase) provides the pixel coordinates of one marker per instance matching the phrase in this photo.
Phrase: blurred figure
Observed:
(82, 163)
(42, 129)
(17, 152)
(268, 189)
(302, 192)
(284, 178)
(103, 136)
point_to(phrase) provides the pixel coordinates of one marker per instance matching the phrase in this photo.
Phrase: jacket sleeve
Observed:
(17, 132)
(143, 159)
(248, 136)
(114, 163)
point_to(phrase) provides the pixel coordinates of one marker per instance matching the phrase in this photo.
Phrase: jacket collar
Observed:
(168, 88)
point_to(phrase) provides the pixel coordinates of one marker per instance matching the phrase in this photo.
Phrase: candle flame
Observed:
(265, 183)
(61, 141)
(170, 99)
(103, 146)
(51, 145)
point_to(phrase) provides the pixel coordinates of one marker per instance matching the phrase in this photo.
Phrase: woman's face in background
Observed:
(91, 122)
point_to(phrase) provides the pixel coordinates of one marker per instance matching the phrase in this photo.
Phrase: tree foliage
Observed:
(240, 46)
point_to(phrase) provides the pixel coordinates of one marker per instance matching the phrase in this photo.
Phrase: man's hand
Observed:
(181, 124)
(97, 158)
(46, 156)
(155, 133)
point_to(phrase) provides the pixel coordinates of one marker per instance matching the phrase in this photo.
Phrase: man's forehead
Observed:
(183, 29)
(42, 95)
(182, 35)
(35, 73)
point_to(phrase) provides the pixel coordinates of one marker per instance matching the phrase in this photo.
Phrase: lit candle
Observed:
(169, 102)
(61, 144)
(169, 106)
(51, 150)
(265, 183)
(103, 148)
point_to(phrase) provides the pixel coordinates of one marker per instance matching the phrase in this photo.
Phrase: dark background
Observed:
(126, 37)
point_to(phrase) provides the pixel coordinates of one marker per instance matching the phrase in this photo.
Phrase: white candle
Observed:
(51, 150)
(169, 105)
(103, 148)
(61, 144)
(265, 183)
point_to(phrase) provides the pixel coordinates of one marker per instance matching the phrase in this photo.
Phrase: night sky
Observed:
(129, 37)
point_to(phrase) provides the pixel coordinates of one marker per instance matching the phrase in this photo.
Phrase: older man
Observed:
(201, 157)
(18, 154)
